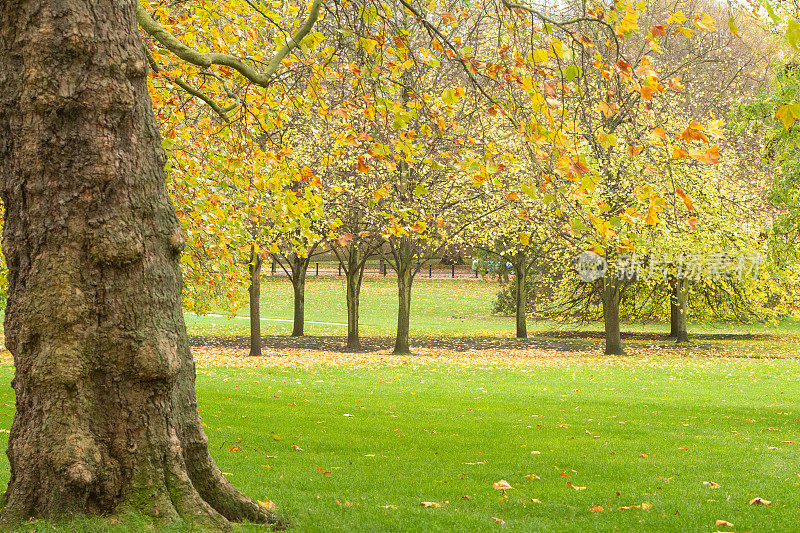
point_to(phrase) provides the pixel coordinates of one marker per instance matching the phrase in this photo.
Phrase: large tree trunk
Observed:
(678, 308)
(106, 416)
(612, 294)
(299, 269)
(520, 277)
(255, 306)
(404, 279)
(353, 277)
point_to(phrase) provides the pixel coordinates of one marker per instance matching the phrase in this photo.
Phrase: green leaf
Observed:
(732, 27)
(578, 224)
(572, 72)
(772, 14)
(449, 96)
(793, 33)
(420, 190)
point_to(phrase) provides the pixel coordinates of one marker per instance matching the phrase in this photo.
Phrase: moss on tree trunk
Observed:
(106, 415)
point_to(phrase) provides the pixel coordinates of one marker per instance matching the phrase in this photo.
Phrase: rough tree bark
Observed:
(678, 308)
(612, 295)
(106, 416)
(255, 305)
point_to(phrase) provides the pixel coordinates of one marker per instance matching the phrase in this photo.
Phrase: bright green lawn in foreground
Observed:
(439, 307)
(629, 430)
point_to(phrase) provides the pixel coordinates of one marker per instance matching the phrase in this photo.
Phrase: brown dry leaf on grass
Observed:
(723, 523)
(502, 485)
(760, 501)
(499, 520)
(430, 504)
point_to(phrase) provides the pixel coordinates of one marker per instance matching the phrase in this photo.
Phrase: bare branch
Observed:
(205, 60)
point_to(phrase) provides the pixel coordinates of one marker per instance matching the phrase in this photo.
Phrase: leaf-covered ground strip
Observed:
(662, 441)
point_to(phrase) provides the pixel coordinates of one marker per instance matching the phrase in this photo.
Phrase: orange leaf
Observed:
(679, 153)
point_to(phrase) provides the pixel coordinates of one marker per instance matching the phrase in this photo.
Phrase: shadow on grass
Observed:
(372, 344)
(556, 341)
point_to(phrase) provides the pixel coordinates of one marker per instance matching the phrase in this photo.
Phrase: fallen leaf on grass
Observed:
(760, 501)
(535, 500)
(536, 452)
(499, 521)
(429, 504)
(296, 447)
(576, 487)
(645, 506)
(267, 505)
(723, 523)
(389, 507)
(345, 503)
(532, 476)
(478, 463)
(712, 484)
(466, 497)
(502, 485)
(596, 509)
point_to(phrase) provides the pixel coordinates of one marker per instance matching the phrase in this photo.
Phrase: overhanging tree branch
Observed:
(205, 60)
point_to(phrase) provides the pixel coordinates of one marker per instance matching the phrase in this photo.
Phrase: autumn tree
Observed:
(106, 415)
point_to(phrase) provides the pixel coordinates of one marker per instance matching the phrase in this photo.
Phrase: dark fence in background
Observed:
(376, 268)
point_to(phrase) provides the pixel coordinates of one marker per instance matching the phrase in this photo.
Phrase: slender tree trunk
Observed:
(612, 295)
(299, 285)
(678, 304)
(106, 416)
(520, 277)
(404, 280)
(353, 277)
(255, 307)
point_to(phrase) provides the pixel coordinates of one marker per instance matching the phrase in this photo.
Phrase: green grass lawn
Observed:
(440, 307)
(384, 439)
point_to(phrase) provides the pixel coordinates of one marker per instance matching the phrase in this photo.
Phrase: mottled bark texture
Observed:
(106, 416)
